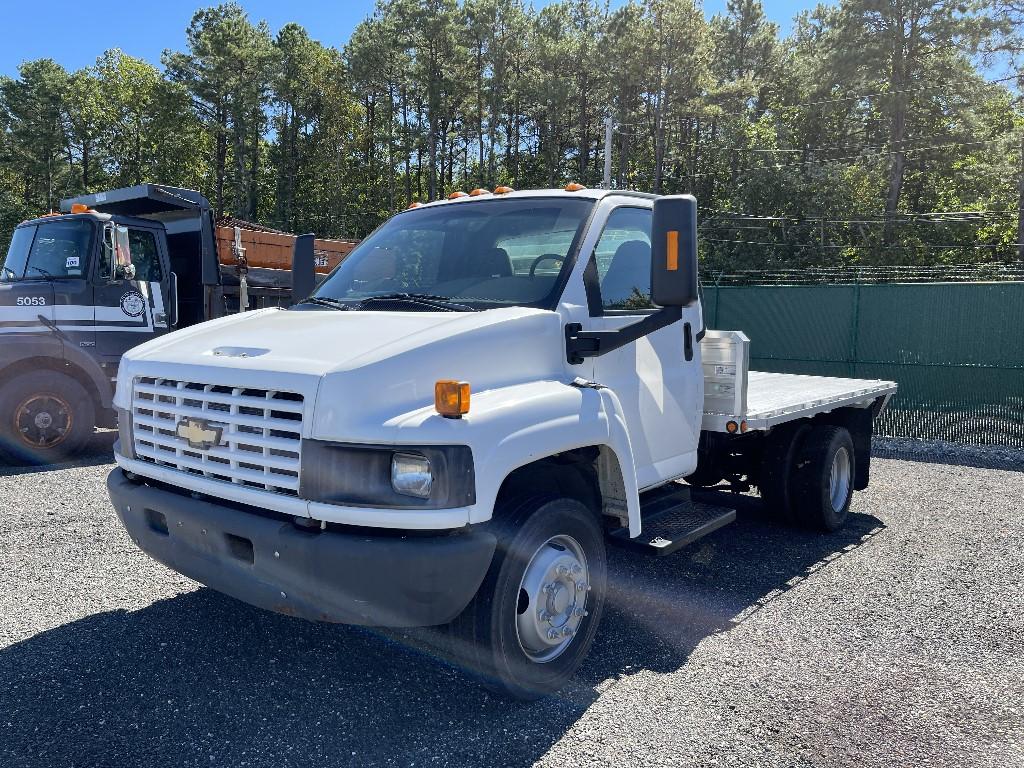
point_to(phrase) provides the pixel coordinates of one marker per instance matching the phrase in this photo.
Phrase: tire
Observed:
(823, 478)
(45, 416)
(502, 636)
(776, 471)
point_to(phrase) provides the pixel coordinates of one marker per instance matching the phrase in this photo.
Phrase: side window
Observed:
(145, 256)
(623, 255)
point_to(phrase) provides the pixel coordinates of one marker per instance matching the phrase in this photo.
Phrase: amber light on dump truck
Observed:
(451, 398)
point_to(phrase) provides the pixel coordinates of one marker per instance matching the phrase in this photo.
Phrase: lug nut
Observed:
(549, 587)
(567, 632)
(277, 554)
(543, 614)
(578, 613)
(552, 634)
(576, 570)
(562, 570)
(581, 586)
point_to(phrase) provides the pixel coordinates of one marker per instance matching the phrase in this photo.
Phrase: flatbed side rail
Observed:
(725, 356)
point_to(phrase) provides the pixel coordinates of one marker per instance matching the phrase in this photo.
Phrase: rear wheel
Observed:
(44, 417)
(776, 471)
(823, 479)
(533, 620)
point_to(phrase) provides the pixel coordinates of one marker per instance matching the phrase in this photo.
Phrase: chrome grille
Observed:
(260, 445)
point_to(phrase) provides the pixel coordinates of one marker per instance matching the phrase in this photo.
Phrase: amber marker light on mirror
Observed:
(672, 250)
(451, 398)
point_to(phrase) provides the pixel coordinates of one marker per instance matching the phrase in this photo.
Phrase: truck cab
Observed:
(449, 430)
(80, 288)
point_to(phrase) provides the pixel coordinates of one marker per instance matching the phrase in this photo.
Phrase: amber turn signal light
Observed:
(451, 398)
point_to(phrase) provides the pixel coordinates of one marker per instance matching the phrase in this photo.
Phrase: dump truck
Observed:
(451, 428)
(115, 269)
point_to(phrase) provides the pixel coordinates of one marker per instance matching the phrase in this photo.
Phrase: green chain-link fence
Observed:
(956, 349)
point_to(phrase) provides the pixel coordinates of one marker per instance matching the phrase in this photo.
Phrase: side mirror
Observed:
(117, 254)
(303, 269)
(674, 251)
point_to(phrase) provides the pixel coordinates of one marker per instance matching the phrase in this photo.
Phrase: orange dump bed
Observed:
(273, 250)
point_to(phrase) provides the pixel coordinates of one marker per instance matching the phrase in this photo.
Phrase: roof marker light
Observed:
(457, 195)
(479, 191)
(572, 186)
(503, 190)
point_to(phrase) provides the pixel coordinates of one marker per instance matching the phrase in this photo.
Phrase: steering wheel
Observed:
(545, 257)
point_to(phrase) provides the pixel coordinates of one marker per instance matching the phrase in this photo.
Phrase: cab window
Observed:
(145, 256)
(58, 250)
(623, 256)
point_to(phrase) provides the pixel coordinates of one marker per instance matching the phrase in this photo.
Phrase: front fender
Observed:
(509, 427)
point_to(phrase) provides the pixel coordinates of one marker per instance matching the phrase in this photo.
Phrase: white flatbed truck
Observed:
(451, 427)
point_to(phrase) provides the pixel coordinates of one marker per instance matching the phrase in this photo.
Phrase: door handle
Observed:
(687, 342)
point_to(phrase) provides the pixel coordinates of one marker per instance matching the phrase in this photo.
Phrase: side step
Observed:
(671, 520)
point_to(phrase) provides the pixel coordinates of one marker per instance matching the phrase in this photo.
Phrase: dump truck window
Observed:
(17, 255)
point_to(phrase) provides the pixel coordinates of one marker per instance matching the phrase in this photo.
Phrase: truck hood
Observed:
(387, 362)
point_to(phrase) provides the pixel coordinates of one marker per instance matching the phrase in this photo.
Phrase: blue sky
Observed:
(75, 33)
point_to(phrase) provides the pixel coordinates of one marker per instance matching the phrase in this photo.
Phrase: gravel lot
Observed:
(897, 641)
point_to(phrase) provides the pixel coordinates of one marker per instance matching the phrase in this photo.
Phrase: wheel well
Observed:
(31, 364)
(571, 473)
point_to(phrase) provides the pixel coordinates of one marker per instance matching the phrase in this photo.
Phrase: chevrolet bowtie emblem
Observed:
(199, 434)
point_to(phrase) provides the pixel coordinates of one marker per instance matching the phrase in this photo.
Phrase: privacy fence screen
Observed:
(956, 349)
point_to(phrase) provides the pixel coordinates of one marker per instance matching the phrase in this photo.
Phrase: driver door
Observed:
(129, 312)
(658, 378)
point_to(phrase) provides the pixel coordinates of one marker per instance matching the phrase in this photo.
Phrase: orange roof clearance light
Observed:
(80, 208)
(479, 191)
(457, 195)
(451, 398)
(503, 190)
(414, 204)
(572, 186)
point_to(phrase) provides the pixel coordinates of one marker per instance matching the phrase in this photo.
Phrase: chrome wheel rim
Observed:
(839, 479)
(552, 599)
(43, 421)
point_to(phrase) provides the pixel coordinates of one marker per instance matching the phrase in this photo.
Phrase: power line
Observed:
(783, 166)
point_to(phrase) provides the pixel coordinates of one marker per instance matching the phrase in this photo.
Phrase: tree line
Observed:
(873, 133)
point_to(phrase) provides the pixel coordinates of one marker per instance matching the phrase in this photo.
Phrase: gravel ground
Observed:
(897, 641)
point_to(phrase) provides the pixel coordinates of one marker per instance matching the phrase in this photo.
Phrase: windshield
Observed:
(53, 250)
(479, 254)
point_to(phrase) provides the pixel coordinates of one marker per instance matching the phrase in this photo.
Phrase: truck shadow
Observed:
(199, 679)
(100, 450)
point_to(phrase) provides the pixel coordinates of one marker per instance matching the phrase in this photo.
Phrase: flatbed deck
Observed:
(774, 398)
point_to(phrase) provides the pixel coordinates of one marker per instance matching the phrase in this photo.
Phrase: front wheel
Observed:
(45, 416)
(534, 618)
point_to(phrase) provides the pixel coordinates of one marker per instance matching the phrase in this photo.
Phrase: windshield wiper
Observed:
(41, 271)
(422, 299)
(8, 271)
(327, 302)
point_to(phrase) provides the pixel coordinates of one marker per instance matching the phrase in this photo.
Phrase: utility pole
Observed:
(607, 153)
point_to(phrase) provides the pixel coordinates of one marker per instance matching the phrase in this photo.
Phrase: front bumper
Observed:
(348, 578)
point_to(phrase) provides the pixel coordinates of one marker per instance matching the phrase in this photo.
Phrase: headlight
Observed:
(387, 476)
(411, 475)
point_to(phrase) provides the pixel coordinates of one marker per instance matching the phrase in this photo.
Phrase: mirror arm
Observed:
(580, 345)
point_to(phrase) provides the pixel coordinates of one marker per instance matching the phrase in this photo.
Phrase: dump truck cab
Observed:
(79, 288)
